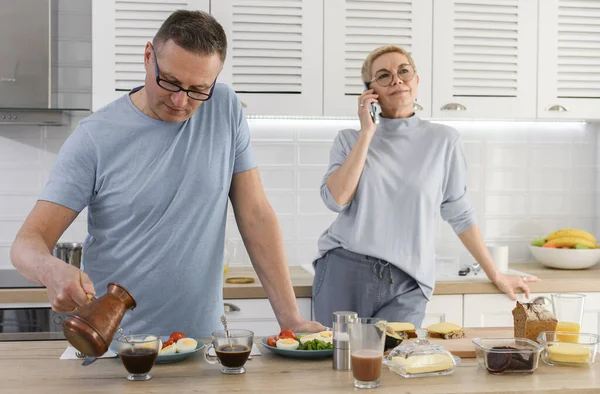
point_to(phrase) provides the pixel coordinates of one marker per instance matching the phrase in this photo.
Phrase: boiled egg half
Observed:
(287, 344)
(168, 350)
(186, 345)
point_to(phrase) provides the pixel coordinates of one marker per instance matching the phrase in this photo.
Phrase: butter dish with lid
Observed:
(421, 358)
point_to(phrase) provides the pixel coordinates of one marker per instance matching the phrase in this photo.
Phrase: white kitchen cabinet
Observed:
(490, 310)
(120, 31)
(275, 54)
(495, 310)
(484, 58)
(257, 315)
(352, 29)
(444, 308)
(569, 59)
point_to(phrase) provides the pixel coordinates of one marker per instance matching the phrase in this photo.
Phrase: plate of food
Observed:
(174, 348)
(300, 345)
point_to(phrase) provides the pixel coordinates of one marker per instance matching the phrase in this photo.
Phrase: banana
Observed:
(571, 233)
(570, 242)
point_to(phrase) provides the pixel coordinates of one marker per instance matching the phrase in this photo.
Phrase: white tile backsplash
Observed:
(274, 154)
(316, 154)
(549, 204)
(311, 178)
(523, 182)
(550, 156)
(506, 155)
(506, 180)
(506, 204)
(277, 179)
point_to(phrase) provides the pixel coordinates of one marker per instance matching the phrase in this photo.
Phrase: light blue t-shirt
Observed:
(157, 196)
(414, 169)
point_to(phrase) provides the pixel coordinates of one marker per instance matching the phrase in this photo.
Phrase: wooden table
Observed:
(34, 367)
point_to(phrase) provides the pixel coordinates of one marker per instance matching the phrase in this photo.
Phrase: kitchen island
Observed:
(34, 367)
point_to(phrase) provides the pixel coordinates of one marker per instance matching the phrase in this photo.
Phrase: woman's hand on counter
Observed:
(508, 284)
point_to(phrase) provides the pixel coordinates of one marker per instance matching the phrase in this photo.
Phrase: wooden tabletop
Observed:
(551, 281)
(34, 367)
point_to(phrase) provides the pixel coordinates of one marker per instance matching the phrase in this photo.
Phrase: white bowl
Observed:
(566, 259)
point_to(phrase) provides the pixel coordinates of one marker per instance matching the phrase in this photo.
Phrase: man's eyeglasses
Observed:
(172, 87)
(405, 73)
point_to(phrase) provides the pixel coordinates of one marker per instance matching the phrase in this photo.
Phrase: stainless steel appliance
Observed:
(28, 65)
(27, 320)
(69, 252)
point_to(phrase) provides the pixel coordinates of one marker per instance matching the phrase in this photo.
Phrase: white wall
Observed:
(526, 179)
(27, 153)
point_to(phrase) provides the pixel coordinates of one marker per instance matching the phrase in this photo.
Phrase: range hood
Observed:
(28, 64)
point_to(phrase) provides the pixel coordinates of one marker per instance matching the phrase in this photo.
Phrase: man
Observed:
(155, 169)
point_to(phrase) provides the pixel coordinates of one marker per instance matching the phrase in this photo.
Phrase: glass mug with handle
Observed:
(231, 351)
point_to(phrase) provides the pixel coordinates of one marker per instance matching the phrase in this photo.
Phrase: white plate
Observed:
(566, 259)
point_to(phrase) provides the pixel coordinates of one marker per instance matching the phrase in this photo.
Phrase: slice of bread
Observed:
(531, 319)
(403, 330)
(445, 330)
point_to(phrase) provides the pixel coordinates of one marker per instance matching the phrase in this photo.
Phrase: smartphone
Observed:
(374, 110)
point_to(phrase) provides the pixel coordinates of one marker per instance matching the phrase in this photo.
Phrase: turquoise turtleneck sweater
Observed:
(413, 169)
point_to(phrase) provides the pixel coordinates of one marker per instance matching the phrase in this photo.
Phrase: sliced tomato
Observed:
(271, 342)
(168, 343)
(287, 334)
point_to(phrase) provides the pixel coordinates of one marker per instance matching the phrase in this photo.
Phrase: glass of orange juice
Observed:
(568, 308)
(229, 253)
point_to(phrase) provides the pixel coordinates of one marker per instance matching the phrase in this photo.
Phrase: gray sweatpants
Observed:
(347, 281)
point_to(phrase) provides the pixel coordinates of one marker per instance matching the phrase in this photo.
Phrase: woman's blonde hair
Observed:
(366, 67)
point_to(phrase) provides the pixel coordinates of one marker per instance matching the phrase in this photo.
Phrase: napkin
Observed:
(69, 354)
(253, 352)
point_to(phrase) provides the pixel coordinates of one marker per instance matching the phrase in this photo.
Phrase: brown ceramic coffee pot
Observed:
(90, 329)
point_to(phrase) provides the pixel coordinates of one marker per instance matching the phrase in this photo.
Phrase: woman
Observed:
(387, 182)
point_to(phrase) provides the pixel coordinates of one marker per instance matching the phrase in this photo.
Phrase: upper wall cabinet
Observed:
(569, 59)
(484, 58)
(120, 31)
(353, 28)
(275, 54)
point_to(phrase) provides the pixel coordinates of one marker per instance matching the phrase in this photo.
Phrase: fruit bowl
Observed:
(566, 259)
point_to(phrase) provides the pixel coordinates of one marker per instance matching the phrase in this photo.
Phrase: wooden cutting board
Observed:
(464, 348)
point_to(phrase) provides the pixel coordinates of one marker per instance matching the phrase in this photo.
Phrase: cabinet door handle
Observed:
(453, 107)
(229, 307)
(557, 108)
(417, 107)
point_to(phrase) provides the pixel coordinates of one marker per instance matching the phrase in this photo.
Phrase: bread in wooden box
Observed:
(531, 319)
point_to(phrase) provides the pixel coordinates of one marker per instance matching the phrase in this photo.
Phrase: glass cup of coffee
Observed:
(232, 352)
(367, 338)
(138, 354)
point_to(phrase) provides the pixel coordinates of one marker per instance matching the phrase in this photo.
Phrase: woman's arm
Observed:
(343, 182)
(473, 241)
